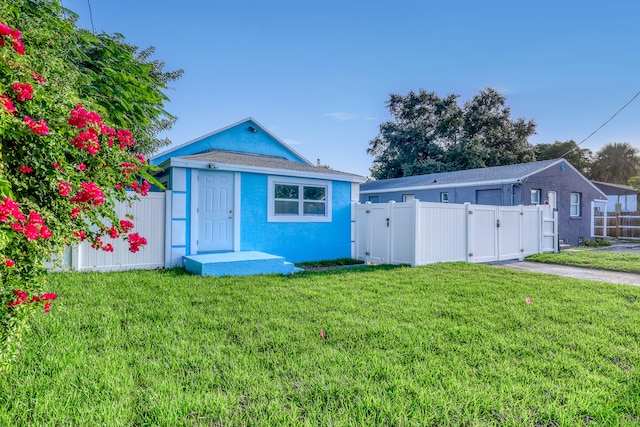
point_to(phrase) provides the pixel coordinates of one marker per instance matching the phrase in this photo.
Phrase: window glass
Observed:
(444, 197)
(314, 193)
(575, 204)
(535, 197)
(286, 191)
(286, 208)
(314, 208)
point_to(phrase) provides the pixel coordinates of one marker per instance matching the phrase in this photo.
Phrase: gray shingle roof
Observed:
(510, 173)
(261, 161)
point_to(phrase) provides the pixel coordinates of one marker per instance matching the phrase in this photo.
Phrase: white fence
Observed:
(148, 217)
(419, 233)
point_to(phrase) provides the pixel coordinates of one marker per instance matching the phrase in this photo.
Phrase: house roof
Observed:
(161, 157)
(510, 174)
(248, 162)
(617, 189)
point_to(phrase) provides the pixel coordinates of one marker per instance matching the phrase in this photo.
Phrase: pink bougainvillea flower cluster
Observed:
(23, 91)
(15, 35)
(32, 226)
(135, 241)
(142, 189)
(25, 169)
(7, 103)
(39, 128)
(91, 127)
(22, 297)
(90, 194)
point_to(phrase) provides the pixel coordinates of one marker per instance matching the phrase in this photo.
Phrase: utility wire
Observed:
(604, 124)
(93, 29)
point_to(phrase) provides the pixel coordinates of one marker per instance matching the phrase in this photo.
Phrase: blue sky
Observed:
(318, 74)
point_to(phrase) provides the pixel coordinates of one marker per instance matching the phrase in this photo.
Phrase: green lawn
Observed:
(448, 344)
(599, 259)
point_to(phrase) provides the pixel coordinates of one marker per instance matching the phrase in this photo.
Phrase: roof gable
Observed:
(247, 136)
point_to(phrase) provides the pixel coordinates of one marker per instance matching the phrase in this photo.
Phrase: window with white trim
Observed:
(535, 196)
(299, 200)
(408, 197)
(574, 205)
(444, 197)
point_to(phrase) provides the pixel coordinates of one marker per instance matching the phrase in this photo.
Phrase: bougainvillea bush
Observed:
(62, 169)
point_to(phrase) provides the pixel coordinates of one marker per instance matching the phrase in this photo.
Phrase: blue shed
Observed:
(242, 190)
(555, 182)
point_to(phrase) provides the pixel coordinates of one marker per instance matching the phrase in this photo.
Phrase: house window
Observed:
(408, 197)
(574, 209)
(374, 199)
(535, 197)
(299, 200)
(444, 197)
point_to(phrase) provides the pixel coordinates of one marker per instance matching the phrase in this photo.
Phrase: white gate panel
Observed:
(403, 232)
(373, 233)
(483, 233)
(531, 230)
(442, 233)
(509, 232)
(149, 221)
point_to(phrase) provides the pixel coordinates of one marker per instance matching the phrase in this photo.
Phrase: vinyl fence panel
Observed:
(148, 217)
(419, 233)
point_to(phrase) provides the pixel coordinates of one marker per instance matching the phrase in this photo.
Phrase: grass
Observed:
(330, 263)
(601, 260)
(448, 344)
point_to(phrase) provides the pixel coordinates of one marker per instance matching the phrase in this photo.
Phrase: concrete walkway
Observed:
(575, 272)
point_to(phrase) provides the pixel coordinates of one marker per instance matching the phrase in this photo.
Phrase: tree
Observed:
(121, 81)
(580, 158)
(615, 163)
(62, 167)
(433, 134)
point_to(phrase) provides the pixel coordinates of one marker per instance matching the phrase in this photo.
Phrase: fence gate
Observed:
(372, 225)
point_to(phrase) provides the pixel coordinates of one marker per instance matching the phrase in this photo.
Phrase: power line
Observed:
(93, 29)
(604, 124)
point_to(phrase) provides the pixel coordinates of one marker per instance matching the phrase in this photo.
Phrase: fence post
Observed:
(468, 212)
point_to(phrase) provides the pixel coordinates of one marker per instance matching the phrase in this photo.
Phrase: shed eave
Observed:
(443, 186)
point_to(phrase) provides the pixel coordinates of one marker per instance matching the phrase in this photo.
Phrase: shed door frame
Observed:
(195, 192)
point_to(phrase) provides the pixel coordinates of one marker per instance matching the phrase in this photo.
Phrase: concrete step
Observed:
(237, 264)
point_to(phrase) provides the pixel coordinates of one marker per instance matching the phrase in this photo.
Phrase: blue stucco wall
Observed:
(237, 138)
(296, 241)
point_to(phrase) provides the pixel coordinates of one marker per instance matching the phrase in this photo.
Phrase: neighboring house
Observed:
(555, 182)
(620, 198)
(241, 188)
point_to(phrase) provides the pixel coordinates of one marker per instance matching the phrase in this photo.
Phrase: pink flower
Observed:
(321, 334)
(38, 78)
(64, 188)
(113, 232)
(47, 307)
(126, 225)
(24, 91)
(135, 241)
(39, 128)
(90, 194)
(9, 263)
(80, 118)
(108, 247)
(74, 212)
(25, 169)
(7, 104)
(80, 235)
(528, 300)
(81, 167)
(5, 30)
(125, 138)
(49, 296)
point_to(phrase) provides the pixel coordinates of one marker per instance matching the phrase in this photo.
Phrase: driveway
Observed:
(575, 272)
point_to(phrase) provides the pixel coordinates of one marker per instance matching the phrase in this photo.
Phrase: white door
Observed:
(552, 198)
(215, 211)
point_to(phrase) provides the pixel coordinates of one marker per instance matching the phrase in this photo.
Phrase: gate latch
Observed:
(387, 222)
(498, 223)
